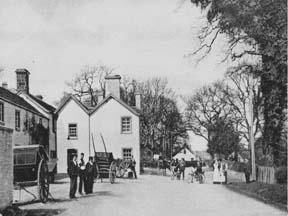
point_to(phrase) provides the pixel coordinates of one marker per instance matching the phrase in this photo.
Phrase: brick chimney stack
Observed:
(138, 100)
(22, 80)
(112, 85)
(5, 85)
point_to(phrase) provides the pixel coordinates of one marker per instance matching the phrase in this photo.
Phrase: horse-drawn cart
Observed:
(33, 167)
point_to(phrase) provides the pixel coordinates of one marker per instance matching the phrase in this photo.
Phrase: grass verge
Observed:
(274, 194)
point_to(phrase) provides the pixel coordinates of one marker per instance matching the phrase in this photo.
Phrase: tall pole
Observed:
(252, 143)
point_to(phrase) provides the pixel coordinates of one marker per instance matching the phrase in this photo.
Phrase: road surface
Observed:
(151, 196)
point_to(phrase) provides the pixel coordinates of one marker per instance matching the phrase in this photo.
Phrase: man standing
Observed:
(182, 168)
(73, 174)
(90, 174)
(81, 174)
(132, 166)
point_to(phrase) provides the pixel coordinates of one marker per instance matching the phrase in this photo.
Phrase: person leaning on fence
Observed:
(82, 176)
(90, 174)
(73, 174)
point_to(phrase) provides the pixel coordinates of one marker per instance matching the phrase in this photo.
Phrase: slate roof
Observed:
(111, 96)
(43, 103)
(16, 100)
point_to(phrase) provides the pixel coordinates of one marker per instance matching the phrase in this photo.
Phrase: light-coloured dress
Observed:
(216, 173)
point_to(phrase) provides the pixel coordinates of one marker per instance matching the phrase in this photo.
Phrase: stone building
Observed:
(22, 111)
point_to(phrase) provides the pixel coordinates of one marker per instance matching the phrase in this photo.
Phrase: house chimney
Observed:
(5, 85)
(112, 85)
(100, 96)
(138, 100)
(39, 97)
(22, 78)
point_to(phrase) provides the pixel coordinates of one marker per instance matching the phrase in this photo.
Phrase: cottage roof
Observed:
(67, 100)
(43, 103)
(16, 100)
(111, 96)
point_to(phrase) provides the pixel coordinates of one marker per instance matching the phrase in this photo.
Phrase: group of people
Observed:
(86, 173)
(220, 168)
(178, 168)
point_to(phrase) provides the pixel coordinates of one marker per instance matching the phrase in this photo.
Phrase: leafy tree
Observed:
(161, 121)
(205, 106)
(224, 138)
(255, 28)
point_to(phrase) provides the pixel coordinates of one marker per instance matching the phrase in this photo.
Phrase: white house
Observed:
(185, 153)
(80, 129)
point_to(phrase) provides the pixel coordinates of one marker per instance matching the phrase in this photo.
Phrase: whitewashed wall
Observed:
(71, 113)
(107, 121)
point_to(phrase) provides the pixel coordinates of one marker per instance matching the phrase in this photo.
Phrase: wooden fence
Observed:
(266, 174)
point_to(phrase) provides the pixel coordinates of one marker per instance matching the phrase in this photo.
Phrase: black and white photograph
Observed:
(146, 108)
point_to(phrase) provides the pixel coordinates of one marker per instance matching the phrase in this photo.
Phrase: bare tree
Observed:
(245, 86)
(90, 80)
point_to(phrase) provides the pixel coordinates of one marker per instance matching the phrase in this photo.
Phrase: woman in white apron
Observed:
(216, 173)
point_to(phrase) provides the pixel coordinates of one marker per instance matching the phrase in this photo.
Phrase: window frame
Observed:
(121, 125)
(17, 121)
(69, 135)
(131, 152)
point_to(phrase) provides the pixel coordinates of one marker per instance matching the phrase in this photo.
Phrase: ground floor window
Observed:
(127, 153)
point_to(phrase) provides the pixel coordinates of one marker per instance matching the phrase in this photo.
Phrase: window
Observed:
(25, 158)
(126, 126)
(17, 120)
(127, 153)
(40, 121)
(1, 112)
(72, 133)
(53, 154)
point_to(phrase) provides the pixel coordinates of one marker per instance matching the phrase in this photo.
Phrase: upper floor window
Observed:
(1, 112)
(126, 125)
(72, 131)
(17, 120)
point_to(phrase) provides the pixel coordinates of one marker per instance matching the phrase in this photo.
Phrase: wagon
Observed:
(33, 167)
(106, 166)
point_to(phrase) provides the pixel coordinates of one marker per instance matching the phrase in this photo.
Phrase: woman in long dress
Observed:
(216, 173)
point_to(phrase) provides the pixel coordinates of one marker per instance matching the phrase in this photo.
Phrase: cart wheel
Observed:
(112, 172)
(43, 181)
(122, 169)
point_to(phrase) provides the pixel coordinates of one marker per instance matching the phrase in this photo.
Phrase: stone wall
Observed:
(6, 167)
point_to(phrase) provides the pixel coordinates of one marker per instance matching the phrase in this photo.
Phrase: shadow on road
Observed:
(44, 212)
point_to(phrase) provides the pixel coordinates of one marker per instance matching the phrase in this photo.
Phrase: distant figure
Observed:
(182, 166)
(225, 169)
(73, 174)
(82, 176)
(90, 174)
(132, 166)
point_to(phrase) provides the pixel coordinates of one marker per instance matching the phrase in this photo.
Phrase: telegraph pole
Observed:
(252, 143)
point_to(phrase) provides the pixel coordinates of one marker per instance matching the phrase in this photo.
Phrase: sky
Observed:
(54, 39)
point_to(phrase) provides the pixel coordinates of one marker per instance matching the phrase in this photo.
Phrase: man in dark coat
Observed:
(90, 174)
(73, 174)
(132, 166)
(81, 173)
